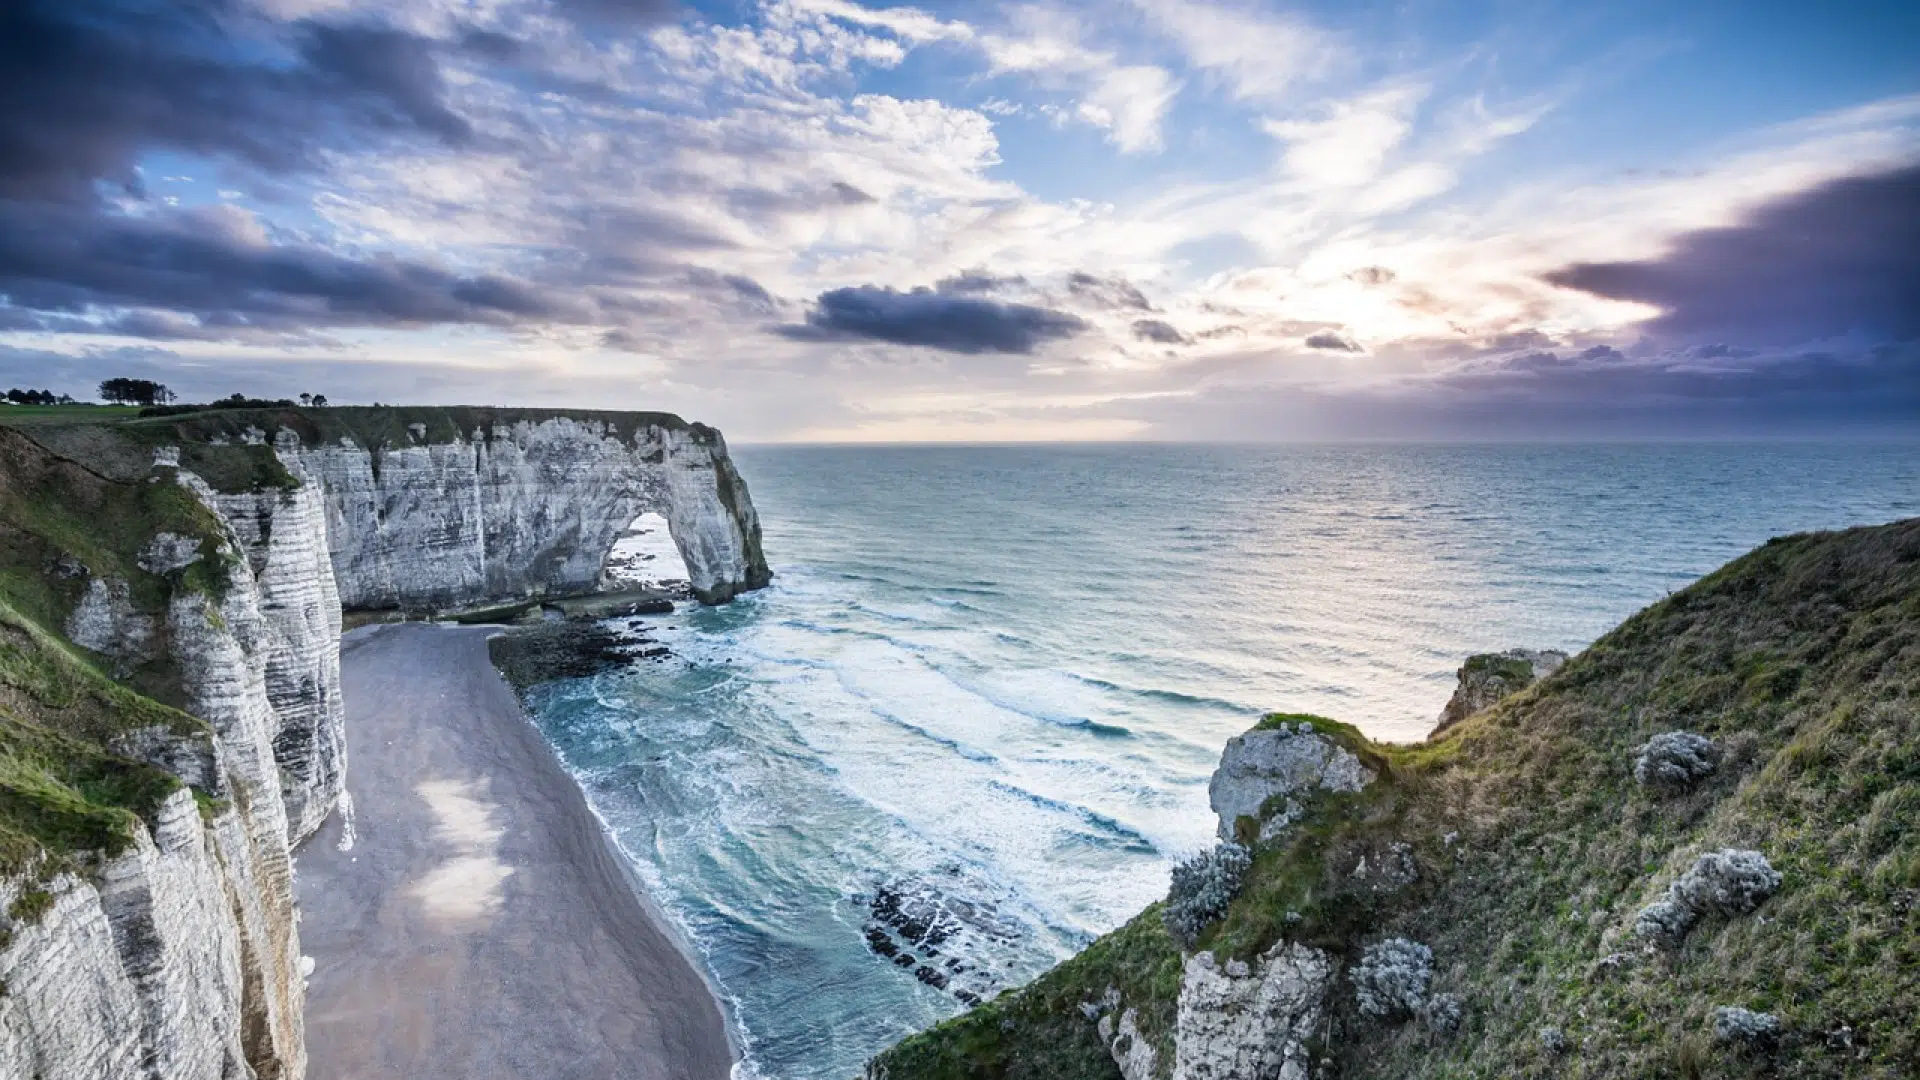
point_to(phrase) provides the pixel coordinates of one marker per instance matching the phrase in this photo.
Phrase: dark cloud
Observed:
(1109, 292)
(1372, 275)
(932, 319)
(88, 85)
(1333, 341)
(1576, 394)
(1155, 330)
(737, 287)
(974, 282)
(1842, 258)
(66, 261)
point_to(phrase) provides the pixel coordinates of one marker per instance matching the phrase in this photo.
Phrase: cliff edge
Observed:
(1687, 852)
(171, 591)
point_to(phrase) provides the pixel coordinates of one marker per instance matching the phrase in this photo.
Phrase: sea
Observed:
(969, 727)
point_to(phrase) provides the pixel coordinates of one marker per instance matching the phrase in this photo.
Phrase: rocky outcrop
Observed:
(526, 508)
(1283, 763)
(179, 958)
(1236, 1021)
(1489, 677)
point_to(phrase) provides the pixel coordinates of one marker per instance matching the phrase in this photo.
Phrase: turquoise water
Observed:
(991, 682)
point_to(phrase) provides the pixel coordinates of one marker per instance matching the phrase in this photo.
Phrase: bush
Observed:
(1743, 1027)
(1724, 882)
(1203, 886)
(1391, 979)
(1675, 761)
(1443, 1014)
(1727, 882)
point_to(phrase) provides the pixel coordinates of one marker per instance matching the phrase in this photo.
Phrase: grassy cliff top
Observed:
(119, 443)
(1536, 848)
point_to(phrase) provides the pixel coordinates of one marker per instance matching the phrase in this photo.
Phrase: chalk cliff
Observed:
(147, 920)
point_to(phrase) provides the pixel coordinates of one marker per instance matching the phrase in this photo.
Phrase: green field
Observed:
(35, 414)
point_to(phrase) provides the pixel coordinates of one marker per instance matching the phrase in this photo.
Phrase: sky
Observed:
(823, 220)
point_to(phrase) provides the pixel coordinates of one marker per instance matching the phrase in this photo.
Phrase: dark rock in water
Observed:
(560, 650)
(658, 605)
(879, 942)
(923, 921)
(654, 653)
(931, 977)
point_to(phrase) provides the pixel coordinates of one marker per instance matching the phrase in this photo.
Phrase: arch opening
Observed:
(644, 556)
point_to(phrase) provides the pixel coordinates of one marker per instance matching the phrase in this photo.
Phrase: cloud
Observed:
(86, 85)
(1349, 143)
(935, 320)
(622, 13)
(1259, 54)
(216, 265)
(1842, 258)
(1107, 292)
(1130, 102)
(1332, 341)
(1163, 333)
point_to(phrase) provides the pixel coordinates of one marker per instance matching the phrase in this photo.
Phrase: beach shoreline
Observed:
(469, 915)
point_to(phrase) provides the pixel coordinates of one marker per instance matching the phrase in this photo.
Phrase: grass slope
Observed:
(64, 795)
(1536, 848)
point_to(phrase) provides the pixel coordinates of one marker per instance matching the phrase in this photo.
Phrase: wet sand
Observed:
(480, 925)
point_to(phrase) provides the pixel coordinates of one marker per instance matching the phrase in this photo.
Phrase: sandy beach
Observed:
(480, 925)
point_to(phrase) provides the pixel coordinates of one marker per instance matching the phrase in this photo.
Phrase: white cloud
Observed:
(1348, 143)
(1131, 103)
(1259, 54)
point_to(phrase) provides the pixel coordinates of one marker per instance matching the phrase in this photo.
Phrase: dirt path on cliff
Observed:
(480, 926)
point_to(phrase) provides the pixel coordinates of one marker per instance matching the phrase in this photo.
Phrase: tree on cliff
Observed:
(135, 392)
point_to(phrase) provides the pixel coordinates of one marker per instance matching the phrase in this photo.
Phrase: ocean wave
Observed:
(1108, 827)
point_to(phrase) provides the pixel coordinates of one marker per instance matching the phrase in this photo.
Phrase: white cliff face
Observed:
(527, 509)
(284, 538)
(1235, 1022)
(137, 975)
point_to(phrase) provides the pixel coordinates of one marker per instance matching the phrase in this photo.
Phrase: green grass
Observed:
(64, 796)
(34, 414)
(1536, 848)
